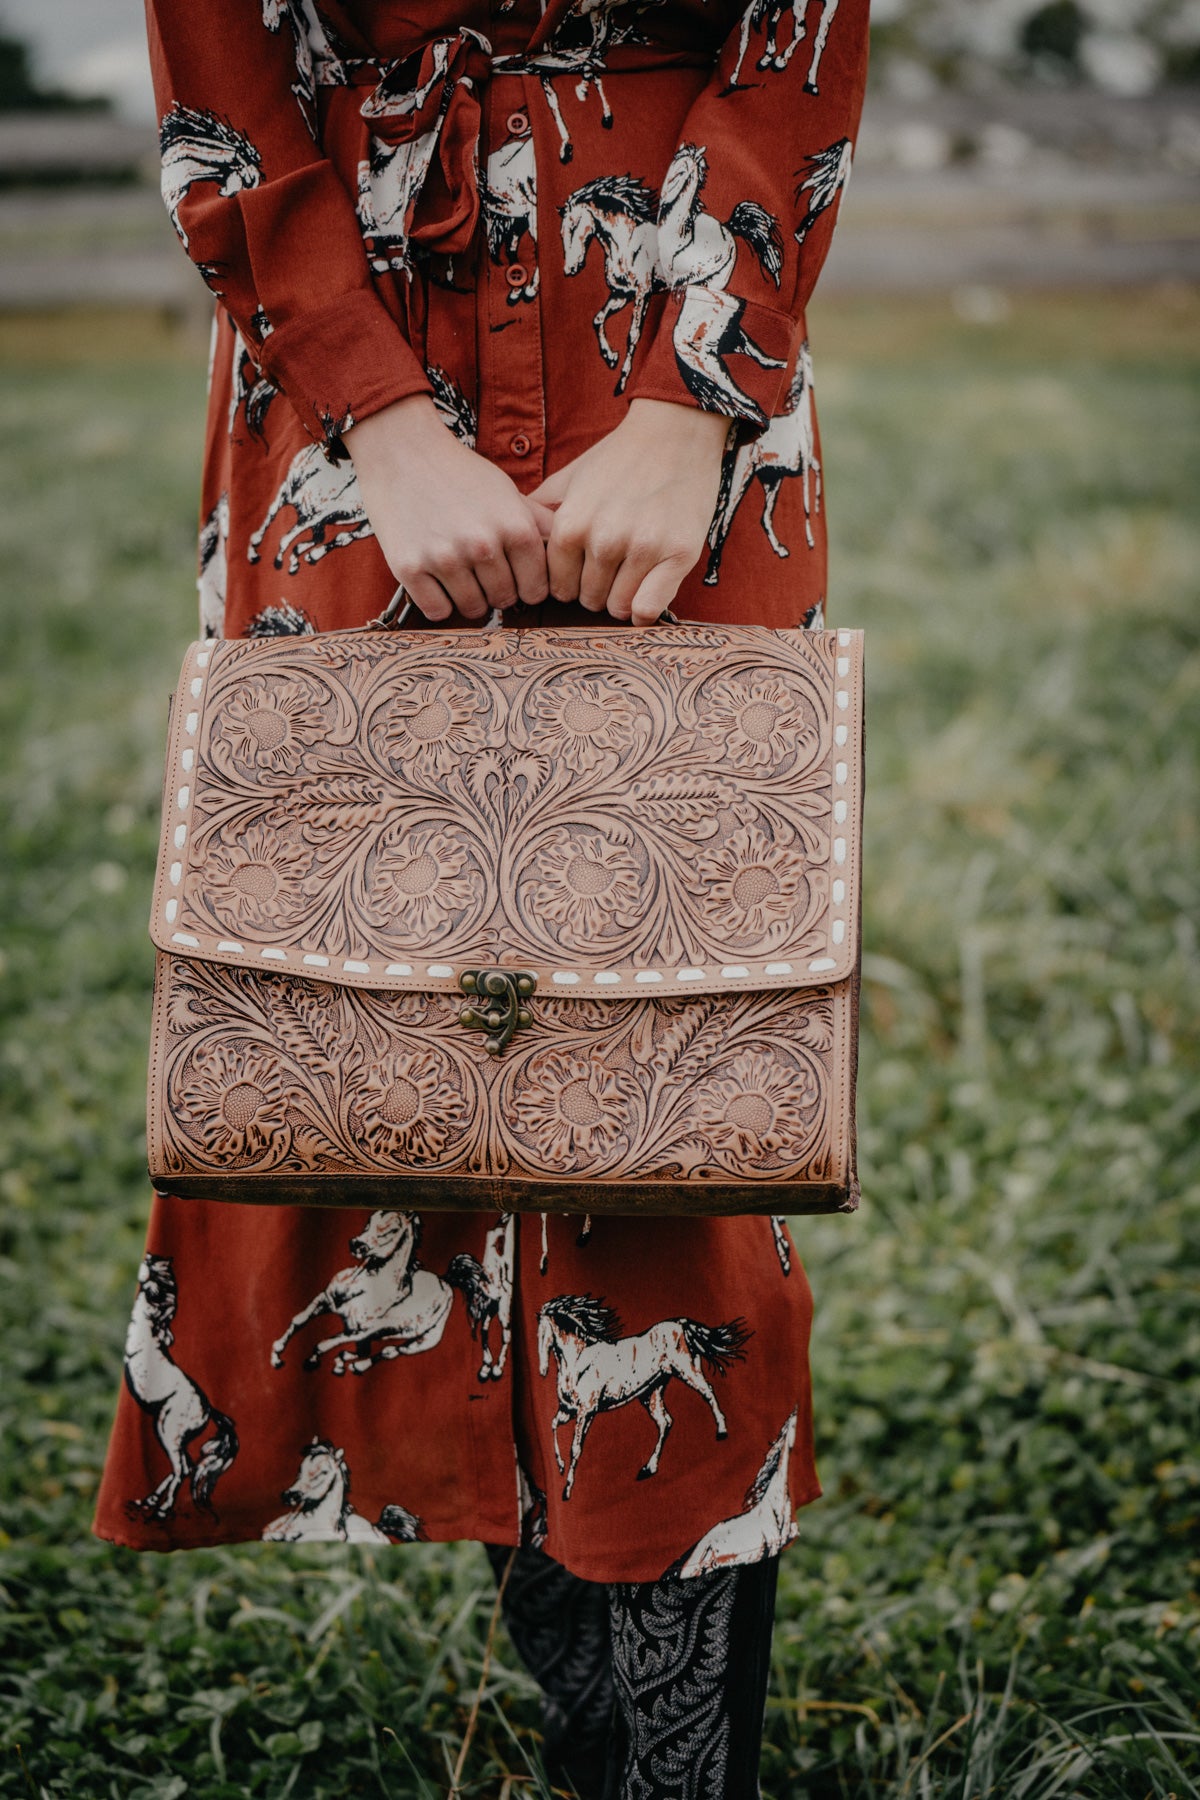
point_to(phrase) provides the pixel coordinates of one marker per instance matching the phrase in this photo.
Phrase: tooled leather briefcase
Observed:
(521, 919)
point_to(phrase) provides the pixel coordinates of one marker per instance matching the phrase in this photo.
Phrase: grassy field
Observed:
(1000, 1593)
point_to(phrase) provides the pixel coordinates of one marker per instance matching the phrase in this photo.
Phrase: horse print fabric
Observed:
(177, 1405)
(318, 1506)
(534, 214)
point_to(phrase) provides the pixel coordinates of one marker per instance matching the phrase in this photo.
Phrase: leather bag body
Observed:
(520, 919)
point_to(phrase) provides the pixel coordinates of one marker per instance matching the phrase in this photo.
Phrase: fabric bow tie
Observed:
(439, 114)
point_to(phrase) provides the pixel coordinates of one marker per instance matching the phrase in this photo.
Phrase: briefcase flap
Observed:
(609, 812)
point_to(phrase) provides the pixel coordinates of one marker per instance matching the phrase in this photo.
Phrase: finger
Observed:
(544, 516)
(656, 593)
(551, 488)
(604, 557)
(466, 593)
(627, 580)
(564, 561)
(527, 559)
(494, 574)
(428, 596)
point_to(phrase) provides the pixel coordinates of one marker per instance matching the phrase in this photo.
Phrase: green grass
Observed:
(998, 1594)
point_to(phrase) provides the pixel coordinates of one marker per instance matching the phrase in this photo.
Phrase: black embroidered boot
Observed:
(559, 1626)
(691, 1660)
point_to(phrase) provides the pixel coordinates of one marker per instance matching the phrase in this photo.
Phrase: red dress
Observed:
(534, 217)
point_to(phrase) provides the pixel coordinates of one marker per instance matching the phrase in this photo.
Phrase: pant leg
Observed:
(691, 1660)
(559, 1627)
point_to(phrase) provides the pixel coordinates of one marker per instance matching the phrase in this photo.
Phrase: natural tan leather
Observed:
(661, 828)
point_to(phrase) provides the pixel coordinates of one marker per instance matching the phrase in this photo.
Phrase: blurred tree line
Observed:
(1127, 47)
(21, 91)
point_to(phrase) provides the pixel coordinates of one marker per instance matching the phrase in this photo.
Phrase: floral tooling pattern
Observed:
(270, 1073)
(533, 797)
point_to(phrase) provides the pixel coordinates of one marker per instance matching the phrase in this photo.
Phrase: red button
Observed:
(516, 274)
(518, 124)
(520, 444)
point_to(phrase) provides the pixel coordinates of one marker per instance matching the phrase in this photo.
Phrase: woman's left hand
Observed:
(632, 512)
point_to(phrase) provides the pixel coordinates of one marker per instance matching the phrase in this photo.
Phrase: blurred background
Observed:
(999, 1594)
(1006, 143)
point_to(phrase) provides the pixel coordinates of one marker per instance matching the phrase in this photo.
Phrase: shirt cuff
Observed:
(340, 363)
(713, 350)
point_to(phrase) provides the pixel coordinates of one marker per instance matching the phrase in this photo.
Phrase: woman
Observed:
(510, 312)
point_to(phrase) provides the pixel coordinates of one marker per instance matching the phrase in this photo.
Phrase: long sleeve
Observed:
(748, 207)
(263, 213)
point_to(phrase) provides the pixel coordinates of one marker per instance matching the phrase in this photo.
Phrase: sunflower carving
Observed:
(421, 883)
(578, 721)
(408, 1106)
(757, 720)
(575, 1110)
(432, 723)
(234, 1102)
(582, 885)
(269, 723)
(754, 882)
(757, 1106)
(256, 880)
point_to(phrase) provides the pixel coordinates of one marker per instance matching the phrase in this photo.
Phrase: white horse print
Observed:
(280, 621)
(783, 1248)
(325, 499)
(316, 61)
(458, 415)
(699, 254)
(696, 247)
(585, 1232)
(787, 448)
(532, 1503)
(770, 13)
(764, 1525)
(251, 392)
(488, 1288)
(585, 60)
(388, 1304)
(197, 146)
(214, 569)
(828, 172)
(388, 182)
(508, 199)
(598, 1370)
(178, 1405)
(319, 1508)
(392, 176)
(392, 100)
(620, 213)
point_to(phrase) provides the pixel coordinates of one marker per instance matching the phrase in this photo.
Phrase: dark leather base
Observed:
(441, 1193)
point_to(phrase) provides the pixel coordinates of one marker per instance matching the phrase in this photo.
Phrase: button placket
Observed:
(511, 401)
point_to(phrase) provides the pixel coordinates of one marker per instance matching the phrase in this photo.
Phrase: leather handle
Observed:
(396, 613)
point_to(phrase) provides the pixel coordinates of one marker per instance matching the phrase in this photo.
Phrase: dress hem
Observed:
(575, 1566)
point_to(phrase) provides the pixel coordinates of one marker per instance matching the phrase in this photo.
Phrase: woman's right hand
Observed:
(456, 531)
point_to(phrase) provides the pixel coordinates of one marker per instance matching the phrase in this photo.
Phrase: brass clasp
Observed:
(502, 991)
